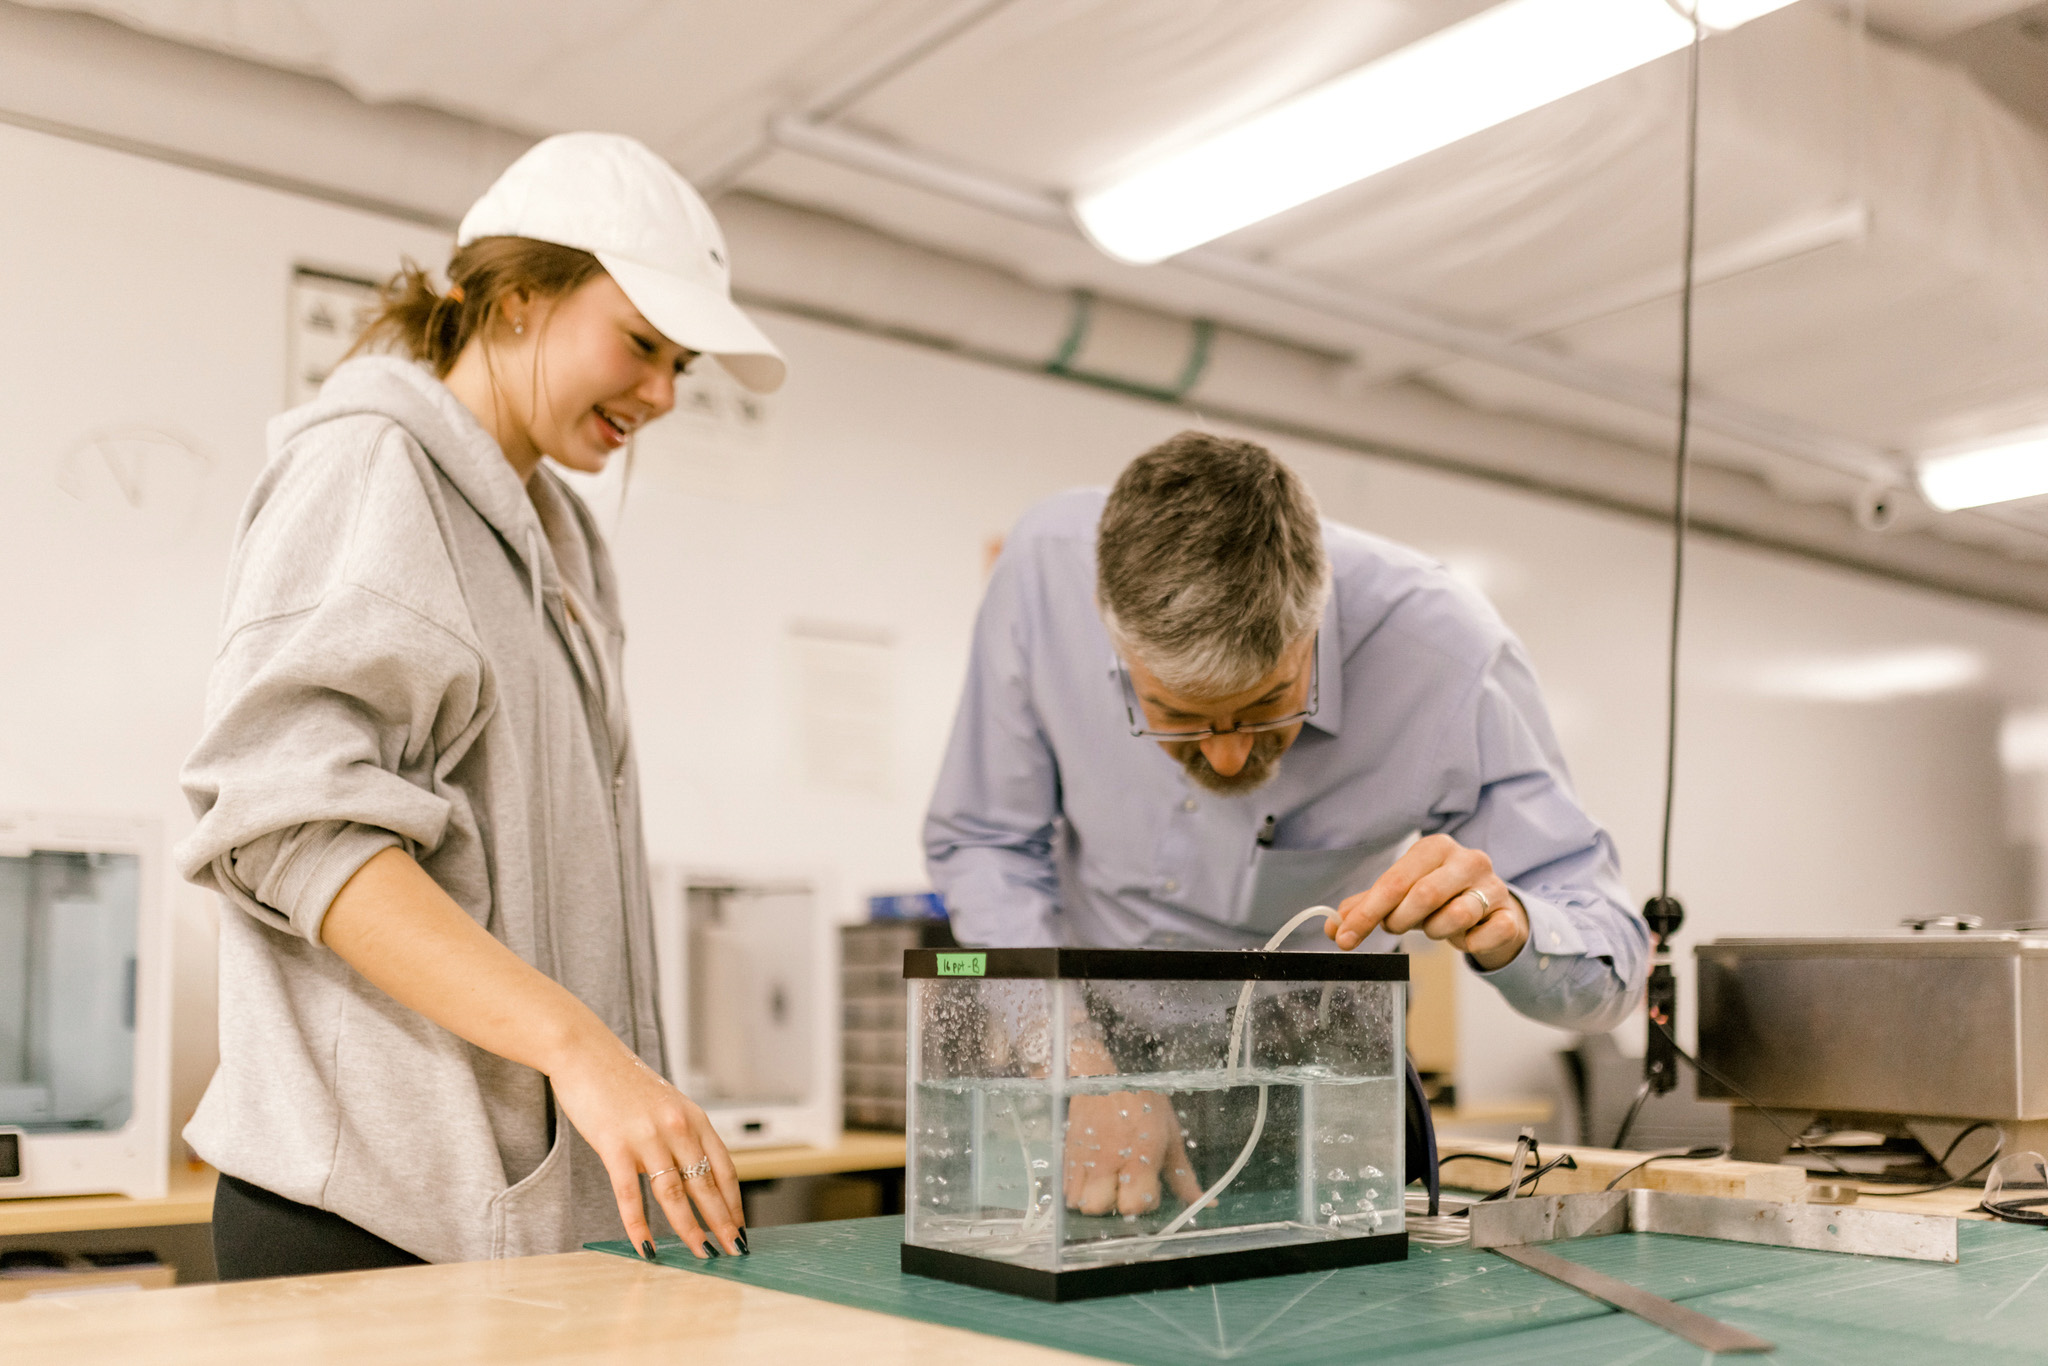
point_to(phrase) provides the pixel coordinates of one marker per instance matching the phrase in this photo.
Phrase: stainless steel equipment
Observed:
(84, 1008)
(749, 1005)
(1920, 1033)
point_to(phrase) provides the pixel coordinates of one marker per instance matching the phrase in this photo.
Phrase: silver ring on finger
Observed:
(663, 1172)
(1485, 905)
(701, 1167)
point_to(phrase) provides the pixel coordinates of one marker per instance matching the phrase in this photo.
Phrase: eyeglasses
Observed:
(1315, 697)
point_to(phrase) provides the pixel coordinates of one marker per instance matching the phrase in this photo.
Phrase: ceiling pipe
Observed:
(943, 27)
(1727, 417)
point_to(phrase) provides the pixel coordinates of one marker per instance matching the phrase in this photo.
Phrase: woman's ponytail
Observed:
(417, 320)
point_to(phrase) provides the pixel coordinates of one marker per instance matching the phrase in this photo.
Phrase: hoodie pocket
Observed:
(533, 1215)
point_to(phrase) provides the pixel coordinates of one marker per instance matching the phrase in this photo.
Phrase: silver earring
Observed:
(519, 326)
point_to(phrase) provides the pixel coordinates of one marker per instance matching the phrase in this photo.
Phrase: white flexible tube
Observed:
(1231, 1058)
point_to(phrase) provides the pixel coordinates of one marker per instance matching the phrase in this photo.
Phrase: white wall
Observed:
(139, 294)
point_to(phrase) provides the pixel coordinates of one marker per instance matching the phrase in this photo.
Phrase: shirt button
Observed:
(1555, 939)
(1543, 964)
(1171, 887)
(1188, 805)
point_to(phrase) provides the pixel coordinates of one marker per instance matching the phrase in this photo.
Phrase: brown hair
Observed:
(1209, 562)
(431, 327)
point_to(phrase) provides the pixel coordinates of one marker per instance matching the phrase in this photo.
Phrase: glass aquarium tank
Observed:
(1098, 1121)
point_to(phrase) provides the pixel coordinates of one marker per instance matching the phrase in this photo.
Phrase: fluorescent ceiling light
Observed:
(1485, 70)
(2014, 466)
(1873, 677)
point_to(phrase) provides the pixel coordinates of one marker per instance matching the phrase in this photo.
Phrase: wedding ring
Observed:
(1485, 906)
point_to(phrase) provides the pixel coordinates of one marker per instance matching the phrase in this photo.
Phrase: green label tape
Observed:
(963, 964)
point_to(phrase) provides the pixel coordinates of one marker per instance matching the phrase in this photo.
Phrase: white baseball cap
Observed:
(611, 196)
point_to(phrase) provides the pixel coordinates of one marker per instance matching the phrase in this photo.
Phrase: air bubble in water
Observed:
(1346, 1138)
(1370, 1171)
(1326, 1208)
(1337, 1174)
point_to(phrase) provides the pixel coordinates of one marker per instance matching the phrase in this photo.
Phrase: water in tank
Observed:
(1097, 1121)
(68, 924)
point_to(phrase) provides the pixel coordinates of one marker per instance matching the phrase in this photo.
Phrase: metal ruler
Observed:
(1696, 1328)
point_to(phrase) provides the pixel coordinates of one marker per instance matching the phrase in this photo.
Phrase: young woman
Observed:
(416, 787)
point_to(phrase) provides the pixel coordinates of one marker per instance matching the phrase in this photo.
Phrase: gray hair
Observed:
(1209, 563)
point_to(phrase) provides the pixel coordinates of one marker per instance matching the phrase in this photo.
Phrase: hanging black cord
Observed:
(1679, 490)
(1628, 1121)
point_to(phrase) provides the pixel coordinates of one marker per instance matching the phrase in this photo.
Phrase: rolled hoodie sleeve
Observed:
(344, 690)
(1584, 964)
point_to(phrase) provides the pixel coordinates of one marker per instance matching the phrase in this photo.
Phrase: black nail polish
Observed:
(741, 1239)
(647, 1250)
(711, 1250)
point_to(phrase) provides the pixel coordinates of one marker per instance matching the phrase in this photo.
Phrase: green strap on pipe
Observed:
(1201, 338)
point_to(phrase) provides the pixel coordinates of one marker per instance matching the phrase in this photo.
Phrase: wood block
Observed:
(149, 1276)
(1432, 1006)
(1598, 1166)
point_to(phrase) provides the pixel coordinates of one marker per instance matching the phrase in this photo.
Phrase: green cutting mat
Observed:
(1472, 1308)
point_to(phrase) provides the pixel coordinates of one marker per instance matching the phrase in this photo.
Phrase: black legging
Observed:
(257, 1233)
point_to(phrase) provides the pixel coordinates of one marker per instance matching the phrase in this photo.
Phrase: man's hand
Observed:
(1431, 888)
(1117, 1147)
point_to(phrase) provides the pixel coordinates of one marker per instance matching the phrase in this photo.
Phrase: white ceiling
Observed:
(1561, 225)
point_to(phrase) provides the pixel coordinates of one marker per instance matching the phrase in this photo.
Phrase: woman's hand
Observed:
(393, 924)
(637, 1122)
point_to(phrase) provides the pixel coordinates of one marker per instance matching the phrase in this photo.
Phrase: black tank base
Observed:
(1130, 1278)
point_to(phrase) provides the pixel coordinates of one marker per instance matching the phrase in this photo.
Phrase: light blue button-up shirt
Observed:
(1052, 824)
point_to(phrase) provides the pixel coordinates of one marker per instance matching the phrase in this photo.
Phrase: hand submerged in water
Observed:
(1120, 1145)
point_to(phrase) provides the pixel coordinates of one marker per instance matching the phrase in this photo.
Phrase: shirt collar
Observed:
(1329, 717)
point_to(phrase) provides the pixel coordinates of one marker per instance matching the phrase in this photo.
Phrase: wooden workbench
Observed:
(190, 1199)
(576, 1307)
(580, 1307)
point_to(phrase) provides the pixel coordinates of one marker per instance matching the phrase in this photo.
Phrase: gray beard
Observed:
(1259, 766)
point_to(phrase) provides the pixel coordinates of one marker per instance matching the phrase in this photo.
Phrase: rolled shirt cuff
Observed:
(1539, 982)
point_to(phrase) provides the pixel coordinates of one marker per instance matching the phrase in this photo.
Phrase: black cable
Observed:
(1942, 1162)
(1669, 1155)
(1679, 516)
(1628, 1121)
(1754, 1103)
(1566, 1163)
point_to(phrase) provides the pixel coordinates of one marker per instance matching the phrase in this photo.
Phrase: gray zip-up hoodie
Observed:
(417, 653)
